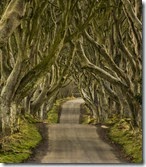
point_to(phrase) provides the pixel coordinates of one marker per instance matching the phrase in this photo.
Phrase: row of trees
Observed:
(109, 74)
(46, 44)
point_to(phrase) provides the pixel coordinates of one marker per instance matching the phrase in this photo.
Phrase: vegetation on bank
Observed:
(120, 131)
(17, 147)
(55, 111)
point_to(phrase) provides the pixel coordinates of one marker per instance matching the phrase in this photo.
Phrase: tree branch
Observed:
(11, 19)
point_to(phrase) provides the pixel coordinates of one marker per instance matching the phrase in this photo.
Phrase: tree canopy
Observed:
(46, 44)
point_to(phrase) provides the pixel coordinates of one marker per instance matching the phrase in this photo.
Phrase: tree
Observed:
(34, 47)
(44, 44)
(116, 62)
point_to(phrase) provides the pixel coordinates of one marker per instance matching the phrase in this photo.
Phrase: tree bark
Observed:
(131, 14)
(7, 97)
(11, 19)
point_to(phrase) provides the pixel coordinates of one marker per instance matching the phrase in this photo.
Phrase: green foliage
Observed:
(130, 139)
(17, 147)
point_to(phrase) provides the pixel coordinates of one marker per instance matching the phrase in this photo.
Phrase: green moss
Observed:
(130, 139)
(17, 147)
(13, 158)
(53, 114)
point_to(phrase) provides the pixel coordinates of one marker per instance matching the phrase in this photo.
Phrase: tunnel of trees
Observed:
(46, 44)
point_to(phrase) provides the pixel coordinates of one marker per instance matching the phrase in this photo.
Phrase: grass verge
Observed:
(17, 147)
(128, 138)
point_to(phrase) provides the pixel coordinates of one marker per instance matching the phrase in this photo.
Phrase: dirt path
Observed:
(71, 142)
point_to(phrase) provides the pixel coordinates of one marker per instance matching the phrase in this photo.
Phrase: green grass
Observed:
(53, 113)
(17, 147)
(130, 139)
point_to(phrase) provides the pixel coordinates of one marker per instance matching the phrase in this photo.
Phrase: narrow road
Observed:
(71, 142)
